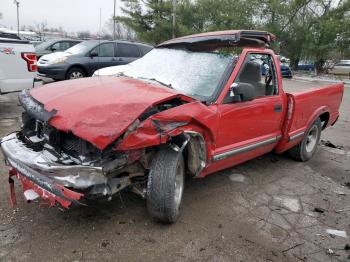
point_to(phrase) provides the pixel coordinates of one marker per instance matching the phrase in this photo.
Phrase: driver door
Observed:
(251, 128)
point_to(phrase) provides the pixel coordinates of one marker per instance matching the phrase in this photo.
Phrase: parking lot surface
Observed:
(269, 209)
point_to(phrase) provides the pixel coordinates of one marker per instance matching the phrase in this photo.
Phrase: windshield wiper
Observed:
(155, 80)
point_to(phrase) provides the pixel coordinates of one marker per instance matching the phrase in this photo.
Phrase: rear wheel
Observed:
(75, 73)
(165, 185)
(307, 147)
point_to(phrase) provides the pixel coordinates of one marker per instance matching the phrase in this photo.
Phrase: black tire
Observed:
(75, 73)
(307, 147)
(163, 196)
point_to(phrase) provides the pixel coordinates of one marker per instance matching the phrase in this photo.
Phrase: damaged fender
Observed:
(183, 128)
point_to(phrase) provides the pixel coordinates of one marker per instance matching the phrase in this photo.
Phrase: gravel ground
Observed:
(262, 210)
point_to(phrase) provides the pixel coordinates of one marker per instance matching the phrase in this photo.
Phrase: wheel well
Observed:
(77, 66)
(324, 119)
(194, 150)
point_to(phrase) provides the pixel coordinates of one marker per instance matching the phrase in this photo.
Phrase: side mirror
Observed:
(240, 92)
(93, 54)
(53, 49)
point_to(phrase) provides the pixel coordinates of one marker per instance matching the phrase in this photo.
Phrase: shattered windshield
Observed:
(193, 73)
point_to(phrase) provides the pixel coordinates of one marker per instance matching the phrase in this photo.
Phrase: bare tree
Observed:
(84, 34)
(40, 29)
(121, 30)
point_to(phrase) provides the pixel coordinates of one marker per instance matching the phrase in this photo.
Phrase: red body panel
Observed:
(46, 197)
(99, 109)
(305, 107)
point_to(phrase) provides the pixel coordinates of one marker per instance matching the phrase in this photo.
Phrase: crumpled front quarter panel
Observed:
(195, 116)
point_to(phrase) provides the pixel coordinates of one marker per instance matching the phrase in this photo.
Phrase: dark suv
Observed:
(85, 58)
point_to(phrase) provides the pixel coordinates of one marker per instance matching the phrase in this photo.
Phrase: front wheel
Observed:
(75, 73)
(165, 185)
(307, 147)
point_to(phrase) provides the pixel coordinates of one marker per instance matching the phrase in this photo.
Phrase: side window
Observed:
(72, 44)
(55, 46)
(60, 46)
(64, 46)
(144, 49)
(259, 70)
(104, 50)
(128, 50)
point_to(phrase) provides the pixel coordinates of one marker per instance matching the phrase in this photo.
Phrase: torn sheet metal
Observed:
(34, 108)
(158, 128)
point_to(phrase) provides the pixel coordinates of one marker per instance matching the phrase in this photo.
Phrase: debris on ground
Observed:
(335, 232)
(292, 247)
(274, 159)
(105, 243)
(342, 210)
(330, 252)
(330, 144)
(319, 210)
(340, 193)
(237, 178)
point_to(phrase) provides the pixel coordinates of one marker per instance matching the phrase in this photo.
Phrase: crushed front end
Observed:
(63, 169)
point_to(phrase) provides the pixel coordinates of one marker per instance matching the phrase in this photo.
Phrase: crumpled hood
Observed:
(99, 109)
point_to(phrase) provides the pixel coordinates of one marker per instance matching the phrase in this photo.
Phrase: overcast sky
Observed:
(72, 15)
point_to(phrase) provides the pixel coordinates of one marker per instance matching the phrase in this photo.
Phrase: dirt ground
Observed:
(263, 210)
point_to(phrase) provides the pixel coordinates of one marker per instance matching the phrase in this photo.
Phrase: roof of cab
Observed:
(222, 38)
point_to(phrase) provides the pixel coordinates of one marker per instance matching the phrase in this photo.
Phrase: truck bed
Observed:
(306, 102)
(292, 86)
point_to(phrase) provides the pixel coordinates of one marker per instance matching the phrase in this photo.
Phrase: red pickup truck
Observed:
(190, 107)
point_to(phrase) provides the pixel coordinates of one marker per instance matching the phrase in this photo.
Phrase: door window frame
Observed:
(235, 73)
(114, 49)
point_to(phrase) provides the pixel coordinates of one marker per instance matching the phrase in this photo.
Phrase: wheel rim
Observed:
(179, 186)
(311, 139)
(75, 75)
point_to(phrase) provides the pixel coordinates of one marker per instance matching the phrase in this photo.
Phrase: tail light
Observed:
(31, 60)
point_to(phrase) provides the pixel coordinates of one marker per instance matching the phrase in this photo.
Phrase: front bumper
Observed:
(49, 179)
(53, 71)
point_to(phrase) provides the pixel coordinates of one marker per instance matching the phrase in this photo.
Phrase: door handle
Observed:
(278, 107)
